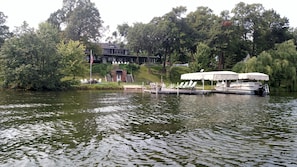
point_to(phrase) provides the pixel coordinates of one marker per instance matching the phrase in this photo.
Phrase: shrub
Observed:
(176, 72)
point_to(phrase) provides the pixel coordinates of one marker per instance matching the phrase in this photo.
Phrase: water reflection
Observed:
(91, 128)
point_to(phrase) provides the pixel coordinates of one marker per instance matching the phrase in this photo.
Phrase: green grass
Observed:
(146, 75)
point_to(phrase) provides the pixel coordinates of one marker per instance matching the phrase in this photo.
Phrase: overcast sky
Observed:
(114, 12)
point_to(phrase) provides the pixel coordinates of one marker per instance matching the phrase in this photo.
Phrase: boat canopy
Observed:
(253, 76)
(212, 76)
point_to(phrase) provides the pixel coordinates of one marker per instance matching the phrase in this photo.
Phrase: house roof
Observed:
(109, 46)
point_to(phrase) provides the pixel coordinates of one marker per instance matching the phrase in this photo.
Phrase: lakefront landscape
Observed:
(184, 89)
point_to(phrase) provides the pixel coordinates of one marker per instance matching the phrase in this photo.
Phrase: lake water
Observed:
(95, 128)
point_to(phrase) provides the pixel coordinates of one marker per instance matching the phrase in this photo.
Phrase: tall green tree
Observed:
(168, 38)
(173, 30)
(80, 20)
(260, 28)
(135, 38)
(73, 57)
(84, 23)
(202, 22)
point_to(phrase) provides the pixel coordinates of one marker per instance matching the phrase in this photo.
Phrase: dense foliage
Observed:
(247, 38)
(79, 20)
(236, 39)
(73, 54)
(280, 63)
(30, 60)
(250, 30)
(39, 60)
(101, 69)
(176, 72)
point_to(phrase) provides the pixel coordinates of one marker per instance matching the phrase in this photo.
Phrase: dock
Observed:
(182, 91)
(178, 91)
(134, 88)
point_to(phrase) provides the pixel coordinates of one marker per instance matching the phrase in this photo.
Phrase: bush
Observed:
(176, 72)
(130, 68)
(101, 69)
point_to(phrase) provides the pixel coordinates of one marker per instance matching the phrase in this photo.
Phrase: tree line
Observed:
(247, 38)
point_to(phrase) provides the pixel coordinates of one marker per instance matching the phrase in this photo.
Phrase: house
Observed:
(114, 54)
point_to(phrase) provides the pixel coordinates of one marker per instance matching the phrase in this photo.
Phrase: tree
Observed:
(15, 56)
(30, 61)
(4, 30)
(202, 21)
(23, 29)
(259, 28)
(165, 35)
(123, 32)
(84, 22)
(284, 65)
(134, 36)
(80, 18)
(264, 63)
(215, 32)
(279, 63)
(202, 58)
(275, 29)
(161, 36)
(73, 54)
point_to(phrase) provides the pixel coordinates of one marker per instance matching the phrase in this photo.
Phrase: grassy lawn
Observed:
(143, 76)
(146, 75)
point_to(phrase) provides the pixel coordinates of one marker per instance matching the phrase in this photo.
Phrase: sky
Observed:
(115, 12)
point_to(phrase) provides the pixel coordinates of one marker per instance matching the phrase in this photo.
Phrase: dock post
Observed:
(142, 87)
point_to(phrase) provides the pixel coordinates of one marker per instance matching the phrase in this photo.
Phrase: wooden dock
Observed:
(134, 88)
(178, 91)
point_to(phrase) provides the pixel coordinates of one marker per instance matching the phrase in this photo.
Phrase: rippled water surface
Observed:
(93, 128)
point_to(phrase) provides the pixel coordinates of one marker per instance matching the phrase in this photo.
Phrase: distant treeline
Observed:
(247, 38)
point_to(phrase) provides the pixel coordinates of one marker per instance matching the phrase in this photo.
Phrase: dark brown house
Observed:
(114, 54)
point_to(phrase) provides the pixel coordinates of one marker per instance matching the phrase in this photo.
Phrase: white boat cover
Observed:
(253, 76)
(212, 76)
